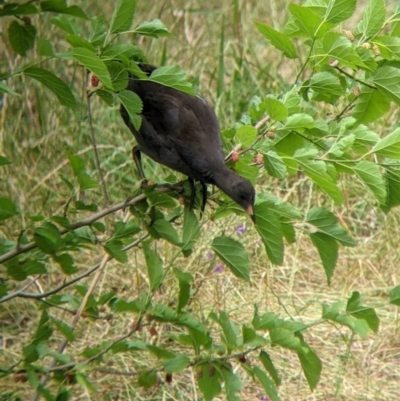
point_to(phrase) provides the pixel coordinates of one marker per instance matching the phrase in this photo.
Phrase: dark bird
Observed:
(181, 132)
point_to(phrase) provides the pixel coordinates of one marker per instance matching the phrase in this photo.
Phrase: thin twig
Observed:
(96, 154)
(57, 289)
(353, 77)
(85, 222)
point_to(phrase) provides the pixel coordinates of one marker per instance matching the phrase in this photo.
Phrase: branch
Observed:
(85, 222)
(88, 272)
(96, 154)
(353, 77)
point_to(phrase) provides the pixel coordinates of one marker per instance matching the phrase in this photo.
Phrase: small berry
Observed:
(376, 50)
(62, 201)
(94, 80)
(349, 35)
(258, 159)
(271, 135)
(356, 91)
(242, 358)
(168, 378)
(153, 331)
(235, 156)
(366, 45)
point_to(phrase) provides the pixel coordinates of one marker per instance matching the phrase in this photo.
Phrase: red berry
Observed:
(235, 156)
(94, 80)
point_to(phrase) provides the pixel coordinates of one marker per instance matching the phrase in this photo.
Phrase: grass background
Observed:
(229, 62)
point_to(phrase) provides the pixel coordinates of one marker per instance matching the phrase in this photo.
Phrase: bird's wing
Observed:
(188, 124)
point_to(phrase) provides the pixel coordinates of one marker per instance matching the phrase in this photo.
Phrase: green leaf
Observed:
(311, 365)
(99, 31)
(48, 238)
(65, 329)
(317, 171)
(269, 227)
(55, 84)
(395, 296)
(387, 79)
(78, 41)
(125, 230)
(60, 6)
(159, 352)
(354, 305)
(299, 122)
(276, 110)
(392, 189)
(174, 77)
(94, 64)
(17, 9)
(191, 230)
(389, 46)
(45, 48)
(333, 313)
(267, 384)
(66, 262)
(309, 22)
(370, 105)
(336, 46)
(166, 230)
(86, 182)
(133, 105)
(234, 255)
(233, 385)
(340, 10)
(21, 36)
(389, 146)
(328, 250)
(122, 17)
(278, 40)
(326, 87)
(370, 174)
(246, 135)
(7, 208)
(326, 222)
(119, 75)
(185, 279)
(67, 24)
(155, 269)
(274, 165)
(269, 367)
(373, 18)
(209, 382)
(6, 89)
(154, 29)
(147, 379)
(285, 338)
(114, 248)
(176, 364)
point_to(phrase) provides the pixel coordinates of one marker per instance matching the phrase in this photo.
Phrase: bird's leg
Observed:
(192, 193)
(204, 190)
(137, 158)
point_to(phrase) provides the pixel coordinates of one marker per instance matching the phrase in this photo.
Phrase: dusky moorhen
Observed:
(181, 132)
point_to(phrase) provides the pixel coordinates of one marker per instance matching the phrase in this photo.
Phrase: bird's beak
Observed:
(250, 211)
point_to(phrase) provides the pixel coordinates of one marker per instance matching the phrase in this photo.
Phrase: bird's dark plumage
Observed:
(181, 132)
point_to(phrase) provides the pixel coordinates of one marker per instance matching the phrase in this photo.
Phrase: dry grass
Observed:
(36, 138)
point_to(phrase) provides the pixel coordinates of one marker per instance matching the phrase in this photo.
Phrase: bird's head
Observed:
(243, 193)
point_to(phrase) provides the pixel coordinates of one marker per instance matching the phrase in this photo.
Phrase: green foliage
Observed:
(283, 135)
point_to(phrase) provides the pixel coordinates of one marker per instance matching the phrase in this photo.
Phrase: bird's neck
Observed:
(224, 178)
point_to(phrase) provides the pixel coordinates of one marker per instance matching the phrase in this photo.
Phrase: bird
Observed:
(181, 131)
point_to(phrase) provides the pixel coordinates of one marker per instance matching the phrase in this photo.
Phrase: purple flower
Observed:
(209, 255)
(219, 269)
(264, 398)
(240, 229)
